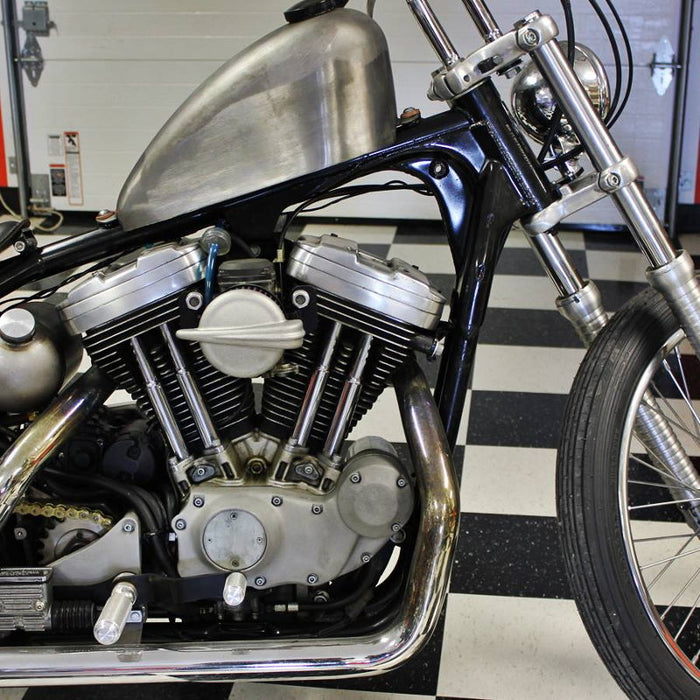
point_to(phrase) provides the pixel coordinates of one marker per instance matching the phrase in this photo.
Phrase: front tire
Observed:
(629, 525)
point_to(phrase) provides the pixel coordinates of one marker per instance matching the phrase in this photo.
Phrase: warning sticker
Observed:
(55, 146)
(58, 180)
(74, 167)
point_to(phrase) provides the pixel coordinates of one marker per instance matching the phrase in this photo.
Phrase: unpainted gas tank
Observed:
(307, 96)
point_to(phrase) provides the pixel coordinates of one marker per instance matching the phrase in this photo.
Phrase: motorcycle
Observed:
(218, 526)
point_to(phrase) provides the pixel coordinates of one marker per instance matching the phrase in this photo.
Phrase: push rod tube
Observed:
(46, 434)
(379, 651)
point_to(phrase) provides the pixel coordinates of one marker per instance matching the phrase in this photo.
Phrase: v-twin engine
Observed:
(270, 493)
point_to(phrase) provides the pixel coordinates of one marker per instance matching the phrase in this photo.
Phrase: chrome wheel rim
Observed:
(661, 539)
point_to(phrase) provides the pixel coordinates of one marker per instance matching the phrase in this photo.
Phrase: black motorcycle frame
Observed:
(473, 160)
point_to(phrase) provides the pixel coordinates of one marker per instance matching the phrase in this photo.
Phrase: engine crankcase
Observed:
(280, 535)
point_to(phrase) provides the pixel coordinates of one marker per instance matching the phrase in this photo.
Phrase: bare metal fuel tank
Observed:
(307, 96)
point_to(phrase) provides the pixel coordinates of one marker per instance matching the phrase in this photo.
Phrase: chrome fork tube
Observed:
(46, 434)
(376, 652)
(483, 19)
(434, 31)
(579, 300)
(603, 151)
(671, 272)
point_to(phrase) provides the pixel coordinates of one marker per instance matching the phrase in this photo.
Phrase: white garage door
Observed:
(114, 72)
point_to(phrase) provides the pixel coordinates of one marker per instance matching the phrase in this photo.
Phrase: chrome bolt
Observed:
(308, 469)
(317, 509)
(401, 482)
(301, 299)
(355, 478)
(312, 579)
(612, 180)
(198, 501)
(194, 301)
(396, 527)
(20, 246)
(233, 515)
(39, 605)
(260, 581)
(235, 563)
(259, 540)
(366, 556)
(180, 524)
(438, 169)
(530, 37)
(129, 526)
(20, 533)
(276, 500)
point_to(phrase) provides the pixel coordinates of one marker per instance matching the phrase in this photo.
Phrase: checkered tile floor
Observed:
(510, 629)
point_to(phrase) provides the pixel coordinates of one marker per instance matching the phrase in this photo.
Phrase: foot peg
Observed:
(234, 589)
(115, 614)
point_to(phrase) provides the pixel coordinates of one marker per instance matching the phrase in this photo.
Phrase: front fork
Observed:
(671, 272)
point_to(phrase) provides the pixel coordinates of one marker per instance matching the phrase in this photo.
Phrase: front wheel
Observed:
(628, 495)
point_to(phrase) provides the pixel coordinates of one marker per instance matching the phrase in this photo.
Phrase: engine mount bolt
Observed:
(129, 526)
(438, 169)
(317, 509)
(260, 581)
(308, 469)
(355, 478)
(194, 301)
(198, 501)
(276, 500)
(312, 579)
(396, 527)
(401, 482)
(366, 556)
(180, 524)
(39, 605)
(530, 37)
(301, 299)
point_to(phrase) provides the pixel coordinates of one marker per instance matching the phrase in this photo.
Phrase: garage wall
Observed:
(115, 71)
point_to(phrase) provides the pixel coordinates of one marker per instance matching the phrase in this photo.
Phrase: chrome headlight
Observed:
(534, 104)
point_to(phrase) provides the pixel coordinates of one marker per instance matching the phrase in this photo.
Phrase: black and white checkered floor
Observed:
(510, 629)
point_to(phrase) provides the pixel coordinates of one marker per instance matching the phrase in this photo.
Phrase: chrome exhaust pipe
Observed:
(46, 434)
(380, 651)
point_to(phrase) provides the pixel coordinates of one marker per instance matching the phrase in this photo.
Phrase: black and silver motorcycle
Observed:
(217, 525)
